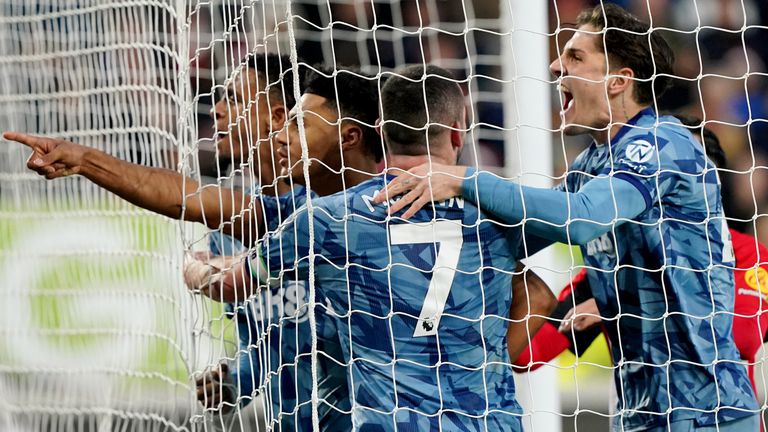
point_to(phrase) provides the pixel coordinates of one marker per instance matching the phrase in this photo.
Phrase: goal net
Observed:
(100, 332)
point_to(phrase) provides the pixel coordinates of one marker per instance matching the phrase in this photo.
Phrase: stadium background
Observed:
(96, 326)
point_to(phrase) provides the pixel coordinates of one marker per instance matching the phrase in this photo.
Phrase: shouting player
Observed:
(576, 327)
(643, 202)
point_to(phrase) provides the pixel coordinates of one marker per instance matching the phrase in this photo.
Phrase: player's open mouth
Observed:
(567, 99)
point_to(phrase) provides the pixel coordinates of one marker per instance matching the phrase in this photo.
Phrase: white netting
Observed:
(94, 321)
(98, 330)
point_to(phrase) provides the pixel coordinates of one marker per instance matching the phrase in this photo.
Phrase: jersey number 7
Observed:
(449, 235)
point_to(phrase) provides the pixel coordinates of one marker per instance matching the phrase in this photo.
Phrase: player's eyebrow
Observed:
(574, 51)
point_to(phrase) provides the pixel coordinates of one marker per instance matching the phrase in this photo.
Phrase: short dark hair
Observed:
(354, 96)
(276, 70)
(417, 104)
(630, 43)
(711, 142)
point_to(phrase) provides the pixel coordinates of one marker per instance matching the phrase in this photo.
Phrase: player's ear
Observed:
(620, 80)
(277, 117)
(351, 136)
(457, 135)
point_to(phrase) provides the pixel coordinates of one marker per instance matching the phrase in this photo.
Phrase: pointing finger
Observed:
(33, 142)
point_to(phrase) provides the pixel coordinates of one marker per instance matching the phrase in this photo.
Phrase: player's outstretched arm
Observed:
(231, 280)
(532, 302)
(159, 190)
(574, 218)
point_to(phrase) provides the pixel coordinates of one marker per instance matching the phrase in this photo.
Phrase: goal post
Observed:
(528, 158)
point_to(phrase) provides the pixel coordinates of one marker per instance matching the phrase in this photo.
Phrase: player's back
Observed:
(422, 308)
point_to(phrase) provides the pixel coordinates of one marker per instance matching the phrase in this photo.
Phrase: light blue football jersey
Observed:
(421, 307)
(663, 281)
(274, 341)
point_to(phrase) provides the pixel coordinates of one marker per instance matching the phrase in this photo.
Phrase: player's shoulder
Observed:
(662, 139)
(663, 131)
(342, 204)
(297, 196)
(360, 202)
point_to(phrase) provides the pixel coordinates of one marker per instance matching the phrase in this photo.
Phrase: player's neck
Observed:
(406, 162)
(622, 110)
(357, 170)
(270, 187)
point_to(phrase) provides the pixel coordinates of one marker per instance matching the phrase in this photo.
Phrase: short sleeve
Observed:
(273, 210)
(284, 250)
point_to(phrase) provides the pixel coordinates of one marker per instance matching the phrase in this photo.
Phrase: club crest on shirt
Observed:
(757, 279)
(639, 151)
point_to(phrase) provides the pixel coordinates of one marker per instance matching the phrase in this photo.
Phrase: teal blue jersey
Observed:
(421, 307)
(646, 211)
(669, 303)
(274, 342)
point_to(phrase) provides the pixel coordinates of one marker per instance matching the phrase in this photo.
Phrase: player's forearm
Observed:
(233, 285)
(574, 218)
(169, 193)
(532, 302)
(155, 189)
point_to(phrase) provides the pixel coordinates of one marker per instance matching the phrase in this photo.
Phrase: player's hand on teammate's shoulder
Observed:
(216, 389)
(581, 317)
(51, 157)
(422, 185)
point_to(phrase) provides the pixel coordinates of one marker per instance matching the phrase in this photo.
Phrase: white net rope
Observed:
(99, 331)
(94, 318)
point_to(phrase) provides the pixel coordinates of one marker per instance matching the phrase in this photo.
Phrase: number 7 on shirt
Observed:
(449, 235)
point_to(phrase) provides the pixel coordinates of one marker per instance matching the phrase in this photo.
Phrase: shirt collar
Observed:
(648, 111)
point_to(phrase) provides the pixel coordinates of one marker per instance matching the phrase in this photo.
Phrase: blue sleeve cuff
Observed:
(468, 186)
(631, 179)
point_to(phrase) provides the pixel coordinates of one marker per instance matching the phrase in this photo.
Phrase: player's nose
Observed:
(218, 111)
(282, 137)
(556, 68)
